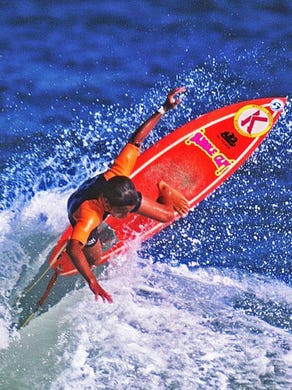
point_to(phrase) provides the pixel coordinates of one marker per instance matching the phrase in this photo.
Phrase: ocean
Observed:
(205, 304)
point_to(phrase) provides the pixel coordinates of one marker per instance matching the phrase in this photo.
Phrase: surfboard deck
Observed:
(194, 159)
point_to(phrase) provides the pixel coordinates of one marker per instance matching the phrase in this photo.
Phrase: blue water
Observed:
(206, 304)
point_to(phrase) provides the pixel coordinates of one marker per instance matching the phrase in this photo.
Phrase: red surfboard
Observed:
(194, 159)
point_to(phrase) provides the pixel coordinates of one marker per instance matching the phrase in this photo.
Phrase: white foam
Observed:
(5, 224)
(47, 208)
(4, 334)
(167, 327)
(164, 328)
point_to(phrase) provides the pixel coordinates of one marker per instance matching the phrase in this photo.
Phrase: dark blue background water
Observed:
(79, 76)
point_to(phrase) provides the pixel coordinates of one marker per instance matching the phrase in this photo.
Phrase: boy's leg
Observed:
(162, 210)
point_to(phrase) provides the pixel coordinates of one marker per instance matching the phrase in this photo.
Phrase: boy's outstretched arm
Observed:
(171, 102)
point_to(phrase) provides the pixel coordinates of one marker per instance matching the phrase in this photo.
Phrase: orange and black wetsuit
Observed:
(85, 209)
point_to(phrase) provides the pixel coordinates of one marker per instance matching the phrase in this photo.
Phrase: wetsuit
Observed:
(85, 208)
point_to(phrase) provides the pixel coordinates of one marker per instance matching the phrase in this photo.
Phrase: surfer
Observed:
(114, 193)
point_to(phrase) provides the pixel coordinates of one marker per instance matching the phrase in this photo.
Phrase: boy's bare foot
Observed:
(180, 203)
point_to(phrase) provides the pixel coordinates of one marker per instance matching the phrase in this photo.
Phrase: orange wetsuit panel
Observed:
(124, 163)
(90, 214)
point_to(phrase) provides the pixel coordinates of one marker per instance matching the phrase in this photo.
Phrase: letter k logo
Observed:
(252, 119)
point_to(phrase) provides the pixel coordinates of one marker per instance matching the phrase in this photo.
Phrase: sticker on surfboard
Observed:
(253, 120)
(220, 161)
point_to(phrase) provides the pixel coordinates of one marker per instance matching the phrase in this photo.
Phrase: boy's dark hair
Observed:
(120, 191)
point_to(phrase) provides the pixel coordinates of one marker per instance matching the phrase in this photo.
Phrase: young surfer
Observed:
(114, 193)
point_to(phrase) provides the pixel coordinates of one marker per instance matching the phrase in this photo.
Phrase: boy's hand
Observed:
(171, 101)
(99, 291)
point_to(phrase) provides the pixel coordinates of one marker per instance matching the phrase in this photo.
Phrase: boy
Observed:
(114, 193)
